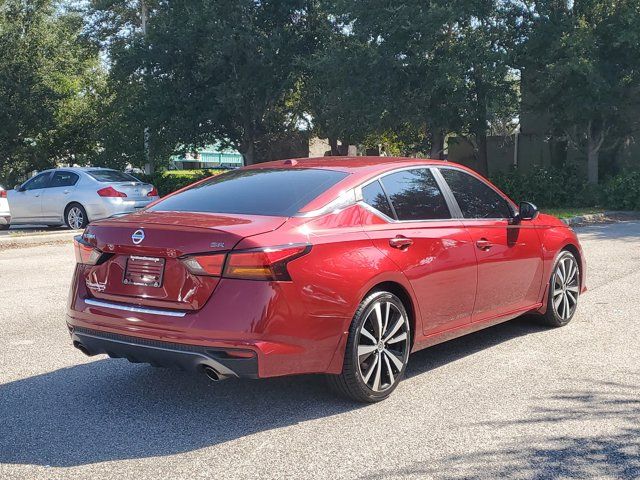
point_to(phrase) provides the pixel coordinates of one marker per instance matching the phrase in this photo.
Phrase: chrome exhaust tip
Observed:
(212, 374)
(82, 348)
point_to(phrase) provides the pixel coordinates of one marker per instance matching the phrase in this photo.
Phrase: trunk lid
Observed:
(142, 265)
(133, 190)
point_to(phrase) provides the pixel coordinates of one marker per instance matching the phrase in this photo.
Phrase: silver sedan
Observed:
(77, 196)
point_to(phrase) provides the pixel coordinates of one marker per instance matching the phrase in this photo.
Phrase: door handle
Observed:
(66, 192)
(484, 244)
(401, 242)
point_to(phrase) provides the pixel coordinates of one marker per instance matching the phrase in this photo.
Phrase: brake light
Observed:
(153, 192)
(210, 265)
(110, 192)
(85, 253)
(3, 194)
(263, 264)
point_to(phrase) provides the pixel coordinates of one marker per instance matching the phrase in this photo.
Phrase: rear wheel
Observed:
(564, 290)
(75, 216)
(5, 226)
(377, 350)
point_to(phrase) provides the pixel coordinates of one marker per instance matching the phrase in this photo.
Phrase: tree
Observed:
(50, 79)
(420, 68)
(584, 63)
(224, 71)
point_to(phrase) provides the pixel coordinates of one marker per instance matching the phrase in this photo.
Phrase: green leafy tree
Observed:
(50, 82)
(583, 63)
(418, 69)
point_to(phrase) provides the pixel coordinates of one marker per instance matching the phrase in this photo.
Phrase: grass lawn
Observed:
(569, 212)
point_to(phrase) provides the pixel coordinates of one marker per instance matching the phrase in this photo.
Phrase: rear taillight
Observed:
(85, 254)
(263, 264)
(255, 264)
(153, 192)
(110, 192)
(205, 264)
(3, 194)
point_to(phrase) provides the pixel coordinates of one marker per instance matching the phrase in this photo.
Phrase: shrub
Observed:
(553, 188)
(548, 187)
(622, 192)
(170, 181)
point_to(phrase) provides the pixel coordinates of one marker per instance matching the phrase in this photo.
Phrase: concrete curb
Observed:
(20, 241)
(606, 216)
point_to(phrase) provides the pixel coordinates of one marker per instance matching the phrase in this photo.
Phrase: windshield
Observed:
(273, 192)
(111, 176)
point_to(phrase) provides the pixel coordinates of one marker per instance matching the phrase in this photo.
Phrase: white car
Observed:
(5, 213)
(77, 196)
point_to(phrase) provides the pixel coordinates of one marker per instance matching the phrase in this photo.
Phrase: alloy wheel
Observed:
(566, 287)
(383, 346)
(75, 218)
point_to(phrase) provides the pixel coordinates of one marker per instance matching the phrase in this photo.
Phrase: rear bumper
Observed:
(250, 316)
(165, 354)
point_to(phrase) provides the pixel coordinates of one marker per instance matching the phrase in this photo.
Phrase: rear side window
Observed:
(475, 198)
(63, 179)
(274, 192)
(373, 195)
(111, 176)
(415, 195)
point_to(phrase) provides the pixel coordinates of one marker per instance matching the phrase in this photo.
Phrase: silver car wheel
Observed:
(383, 347)
(75, 218)
(566, 287)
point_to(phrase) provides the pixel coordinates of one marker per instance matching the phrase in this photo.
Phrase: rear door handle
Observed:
(484, 244)
(66, 192)
(400, 242)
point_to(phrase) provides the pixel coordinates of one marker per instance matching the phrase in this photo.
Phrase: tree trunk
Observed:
(333, 144)
(248, 151)
(481, 154)
(437, 145)
(593, 153)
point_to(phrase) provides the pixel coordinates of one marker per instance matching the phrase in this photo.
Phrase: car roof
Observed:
(78, 169)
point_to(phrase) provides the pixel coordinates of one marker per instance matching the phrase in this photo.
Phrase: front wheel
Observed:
(377, 350)
(564, 290)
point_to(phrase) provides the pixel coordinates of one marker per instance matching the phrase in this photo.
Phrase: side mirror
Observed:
(18, 188)
(528, 211)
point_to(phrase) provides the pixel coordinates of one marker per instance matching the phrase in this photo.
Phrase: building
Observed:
(212, 156)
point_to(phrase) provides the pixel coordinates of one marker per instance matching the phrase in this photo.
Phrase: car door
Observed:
(57, 195)
(509, 255)
(433, 249)
(25, 203)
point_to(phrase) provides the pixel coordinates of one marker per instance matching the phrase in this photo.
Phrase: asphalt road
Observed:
(515, 401)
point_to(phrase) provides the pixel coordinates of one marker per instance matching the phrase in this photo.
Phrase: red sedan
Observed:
(341, 266)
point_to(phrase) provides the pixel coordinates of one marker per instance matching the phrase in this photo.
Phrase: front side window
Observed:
(475, 198)
(415, 195)
(63, 179)
(39, 181)
(277, 192)
(374, 196)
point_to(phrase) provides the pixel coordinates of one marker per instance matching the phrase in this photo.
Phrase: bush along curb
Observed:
(604, 217)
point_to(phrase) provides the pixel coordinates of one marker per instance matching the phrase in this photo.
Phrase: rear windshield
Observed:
(274, 192)
(111, 176)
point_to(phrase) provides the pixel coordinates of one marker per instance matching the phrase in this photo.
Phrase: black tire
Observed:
(352, 383)
(70, 216)
(5, 227)
(556, 315)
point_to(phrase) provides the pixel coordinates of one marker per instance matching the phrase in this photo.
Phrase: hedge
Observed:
(562, 187)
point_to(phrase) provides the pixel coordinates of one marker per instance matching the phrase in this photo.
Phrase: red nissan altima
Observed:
(342, 266)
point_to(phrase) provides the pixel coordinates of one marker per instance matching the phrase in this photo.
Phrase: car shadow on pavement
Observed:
(557, 441)
(112, 410)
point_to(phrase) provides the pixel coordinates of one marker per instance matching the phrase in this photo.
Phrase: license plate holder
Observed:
(144, 271)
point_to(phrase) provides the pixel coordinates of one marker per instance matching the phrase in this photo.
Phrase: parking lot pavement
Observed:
(515, 401)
